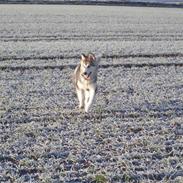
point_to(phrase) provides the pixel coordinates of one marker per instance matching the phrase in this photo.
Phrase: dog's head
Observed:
(89, 65)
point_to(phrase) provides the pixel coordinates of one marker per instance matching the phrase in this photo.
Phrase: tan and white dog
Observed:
(85, 80)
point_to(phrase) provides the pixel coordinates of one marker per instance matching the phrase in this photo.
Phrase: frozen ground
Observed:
(134, 131)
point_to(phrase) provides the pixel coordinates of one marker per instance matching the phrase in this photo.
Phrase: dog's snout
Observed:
(85, 73)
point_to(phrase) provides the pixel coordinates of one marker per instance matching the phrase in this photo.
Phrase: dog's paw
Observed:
(86, 110)
(81, 107)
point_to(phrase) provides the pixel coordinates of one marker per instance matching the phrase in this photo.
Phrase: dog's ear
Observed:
(83, 56)
(91, 57)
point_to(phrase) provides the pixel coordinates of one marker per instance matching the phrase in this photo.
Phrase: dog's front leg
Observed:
(89, 97)
(80, 94)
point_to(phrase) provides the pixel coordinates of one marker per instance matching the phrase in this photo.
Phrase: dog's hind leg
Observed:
(80, 94)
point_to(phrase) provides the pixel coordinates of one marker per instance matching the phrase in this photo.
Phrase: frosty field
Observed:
(134, 132)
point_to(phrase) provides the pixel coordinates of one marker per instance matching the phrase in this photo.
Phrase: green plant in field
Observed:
(179, 180)
(100, 179)
(47, 180)
(126, 178)
(98, 109)
(25, 162)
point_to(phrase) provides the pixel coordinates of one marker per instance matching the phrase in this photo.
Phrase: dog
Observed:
(85, 80)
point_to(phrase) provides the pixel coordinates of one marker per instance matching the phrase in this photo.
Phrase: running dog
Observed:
(85, 80)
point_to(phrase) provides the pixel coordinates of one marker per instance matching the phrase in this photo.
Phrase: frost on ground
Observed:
(134, 131)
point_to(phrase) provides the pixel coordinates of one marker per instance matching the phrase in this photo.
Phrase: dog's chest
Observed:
(86, 86)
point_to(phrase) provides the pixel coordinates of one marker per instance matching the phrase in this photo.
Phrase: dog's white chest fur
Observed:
(85, 85)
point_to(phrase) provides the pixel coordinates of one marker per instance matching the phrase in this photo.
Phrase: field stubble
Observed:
(134, 131)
